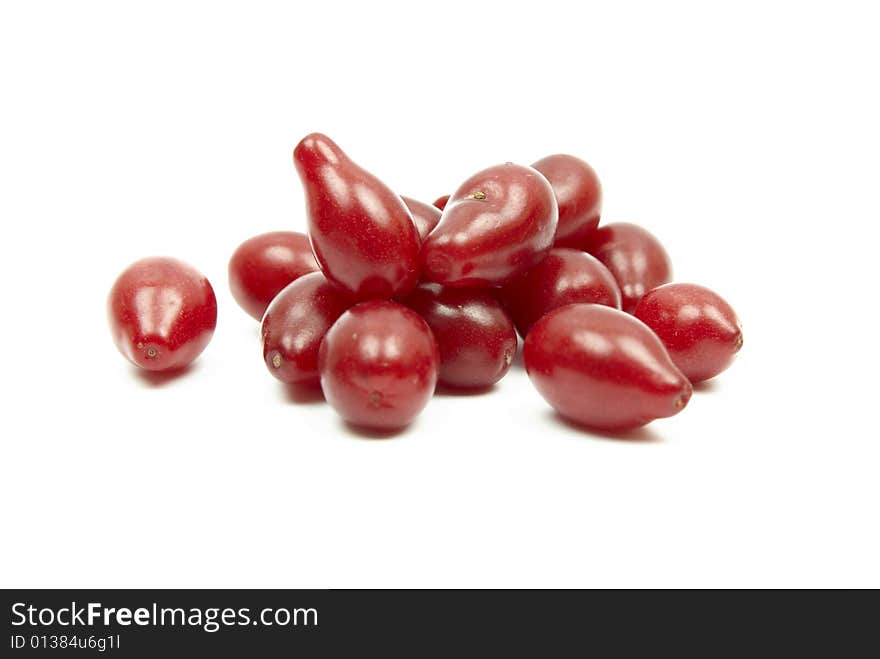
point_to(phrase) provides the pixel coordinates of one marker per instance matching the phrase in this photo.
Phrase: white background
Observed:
(746, 137)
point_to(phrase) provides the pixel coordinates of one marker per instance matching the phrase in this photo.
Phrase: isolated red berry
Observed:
(261, 266)
(475, 335)
(498, 224)
(295, 324)
(162, 313)
(634, 256)
(379, 365)
(698, 327)
(578, 194)
(362, 233)
(424, 216)
(602, 368)
(565, 276)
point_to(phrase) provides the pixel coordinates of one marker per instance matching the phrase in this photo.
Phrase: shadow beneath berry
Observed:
(706, 387)
(156, 379)
(461, 392)
(643, 435)
(365, 432)
(302, 394)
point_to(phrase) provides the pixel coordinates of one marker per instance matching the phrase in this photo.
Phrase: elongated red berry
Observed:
(602, 368)
(361, 231)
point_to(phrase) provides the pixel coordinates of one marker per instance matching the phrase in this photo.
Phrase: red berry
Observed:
(261, 266)
(362, 233)
(162, 313)
(635, 258)
(379, 365)
(295, 324)
(497, 225)
(475, 335)
(578, 194)
(602, 368)
(699, 329)
(440, 202)
(425, 217)
(565, 276)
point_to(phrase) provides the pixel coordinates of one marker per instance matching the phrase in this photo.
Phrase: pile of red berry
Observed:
(387, 296)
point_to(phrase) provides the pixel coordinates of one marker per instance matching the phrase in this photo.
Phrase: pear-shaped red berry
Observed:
(361, 231)
(162, 313)
(498, 224)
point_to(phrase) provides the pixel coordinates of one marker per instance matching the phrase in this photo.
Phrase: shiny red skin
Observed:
(635, 258)
(261, 266)
(295, 324)
(162, 313)
(379, 365)
(698, 327)
(476, 337)
(578, 195)
(565, 276)
(497, 225)
(361, 231)
(602, 368)
(424, 216)
(440, 202)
